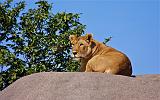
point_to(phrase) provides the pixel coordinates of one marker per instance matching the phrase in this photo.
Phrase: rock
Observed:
(83, 86)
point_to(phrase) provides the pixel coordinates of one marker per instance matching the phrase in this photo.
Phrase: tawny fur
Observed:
(97, 57)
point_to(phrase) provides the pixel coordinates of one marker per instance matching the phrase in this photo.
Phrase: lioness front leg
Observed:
(88, 68)
(109, 71)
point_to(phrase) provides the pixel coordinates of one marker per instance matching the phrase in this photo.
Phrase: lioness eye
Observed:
(81, 44)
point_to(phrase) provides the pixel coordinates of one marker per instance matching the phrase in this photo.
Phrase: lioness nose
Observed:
(74, 52)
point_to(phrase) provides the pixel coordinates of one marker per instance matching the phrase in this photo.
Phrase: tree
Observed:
(35, 41)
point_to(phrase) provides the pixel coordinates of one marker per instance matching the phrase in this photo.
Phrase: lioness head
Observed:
(81, 46)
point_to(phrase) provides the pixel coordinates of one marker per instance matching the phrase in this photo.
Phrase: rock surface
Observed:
(83, 86)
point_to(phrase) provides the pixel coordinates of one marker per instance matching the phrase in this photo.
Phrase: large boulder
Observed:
(83, 86)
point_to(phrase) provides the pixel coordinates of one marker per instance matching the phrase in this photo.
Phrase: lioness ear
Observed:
(89, 37)
(72, 37)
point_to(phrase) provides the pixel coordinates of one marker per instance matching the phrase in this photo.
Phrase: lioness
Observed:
(97, 57)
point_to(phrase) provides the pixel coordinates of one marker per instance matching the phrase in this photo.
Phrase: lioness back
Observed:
(97, 57)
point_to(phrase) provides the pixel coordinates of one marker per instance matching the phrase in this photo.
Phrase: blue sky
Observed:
(133, 24)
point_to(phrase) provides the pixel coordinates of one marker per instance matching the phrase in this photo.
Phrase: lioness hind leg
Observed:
(117, 72)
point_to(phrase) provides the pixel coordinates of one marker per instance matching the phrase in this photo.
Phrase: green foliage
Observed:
(35, 41)
(106, 40)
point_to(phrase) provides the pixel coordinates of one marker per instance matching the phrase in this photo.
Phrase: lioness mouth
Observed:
(77, 58)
